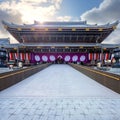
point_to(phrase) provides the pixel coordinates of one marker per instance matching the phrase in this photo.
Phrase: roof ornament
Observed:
(115, 23)
(36, 22)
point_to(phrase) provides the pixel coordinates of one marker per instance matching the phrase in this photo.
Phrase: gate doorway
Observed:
(59, 60)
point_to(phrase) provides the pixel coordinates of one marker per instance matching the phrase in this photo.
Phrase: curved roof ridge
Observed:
(61, 24)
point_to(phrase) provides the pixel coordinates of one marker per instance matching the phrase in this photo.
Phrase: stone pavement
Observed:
(79, 108)
(59, 92)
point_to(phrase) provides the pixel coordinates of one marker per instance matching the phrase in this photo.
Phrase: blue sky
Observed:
(75, 8)
(93, 11)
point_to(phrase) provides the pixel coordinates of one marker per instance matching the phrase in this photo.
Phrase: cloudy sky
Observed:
(94, 11)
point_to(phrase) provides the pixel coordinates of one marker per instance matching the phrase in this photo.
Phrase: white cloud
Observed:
(107, 12)
(56, 3)
(32, 9)
(35, 1)
(64, 18)
(114, 38)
